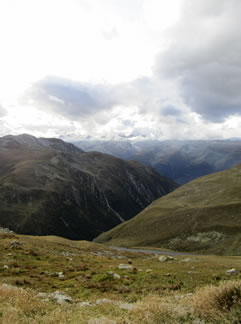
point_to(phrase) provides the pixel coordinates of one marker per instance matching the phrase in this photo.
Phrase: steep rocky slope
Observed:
(48, 186)
(203, 215)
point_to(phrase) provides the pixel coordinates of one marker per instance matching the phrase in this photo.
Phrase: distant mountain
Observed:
(121, 149)
(48, 186)
(181, 161)
(202, 216)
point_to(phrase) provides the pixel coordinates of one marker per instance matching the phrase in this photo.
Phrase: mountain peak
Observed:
(33, 143)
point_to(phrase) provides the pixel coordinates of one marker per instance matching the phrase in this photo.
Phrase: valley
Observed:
(161, 253)
(201, 216)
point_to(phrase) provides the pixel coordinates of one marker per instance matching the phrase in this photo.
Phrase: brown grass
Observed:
(214, 302)
(150, 310)
(21, 306)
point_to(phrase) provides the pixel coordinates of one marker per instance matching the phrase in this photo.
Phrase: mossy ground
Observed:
(157, 291)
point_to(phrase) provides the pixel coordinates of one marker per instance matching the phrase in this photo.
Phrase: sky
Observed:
(121, 69)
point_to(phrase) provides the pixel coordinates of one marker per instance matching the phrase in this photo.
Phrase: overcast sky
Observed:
(165, 69)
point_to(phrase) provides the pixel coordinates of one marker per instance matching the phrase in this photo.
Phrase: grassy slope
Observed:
(203, 215)
(151, 294)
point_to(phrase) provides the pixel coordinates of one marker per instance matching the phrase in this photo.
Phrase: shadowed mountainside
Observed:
(201, 216)
(48, 186)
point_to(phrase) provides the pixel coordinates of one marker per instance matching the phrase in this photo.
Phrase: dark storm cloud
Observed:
(204, 58)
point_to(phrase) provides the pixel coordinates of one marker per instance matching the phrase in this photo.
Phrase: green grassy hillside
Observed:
(52, 280)
(203, 215)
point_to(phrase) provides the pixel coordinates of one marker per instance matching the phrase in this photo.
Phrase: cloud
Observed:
(195, 84)
(3, 111)
(4, 129)
(171, 111)
(71, 99)
(111, 34)
(127, 123)
(135, 109)
(81, 101)
(146, 132)
(204, 59)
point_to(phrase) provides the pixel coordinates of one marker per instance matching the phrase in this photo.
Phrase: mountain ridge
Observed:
(52, 187)
(180, 160)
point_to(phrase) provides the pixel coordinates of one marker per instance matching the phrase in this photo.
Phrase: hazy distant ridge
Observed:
(181, 161)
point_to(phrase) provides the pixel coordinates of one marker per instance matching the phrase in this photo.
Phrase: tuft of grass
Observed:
(214, 302)
(152, 310)
(22, 306)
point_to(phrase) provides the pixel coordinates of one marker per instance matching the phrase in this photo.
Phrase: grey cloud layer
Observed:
(205, 58)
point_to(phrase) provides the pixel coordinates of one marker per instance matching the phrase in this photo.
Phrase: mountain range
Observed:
(182, 161)
(50, 187)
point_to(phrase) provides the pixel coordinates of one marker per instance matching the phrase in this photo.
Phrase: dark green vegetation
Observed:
(203, 215)
(32, 269)
(181, 161)
(48, 187)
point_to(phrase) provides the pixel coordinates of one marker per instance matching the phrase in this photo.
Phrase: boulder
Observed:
(114, 275)
(126, 306)
(61, 298)
(84, 304)
(231, 271)
(104, 301)
(165, 258)
(123, 266)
